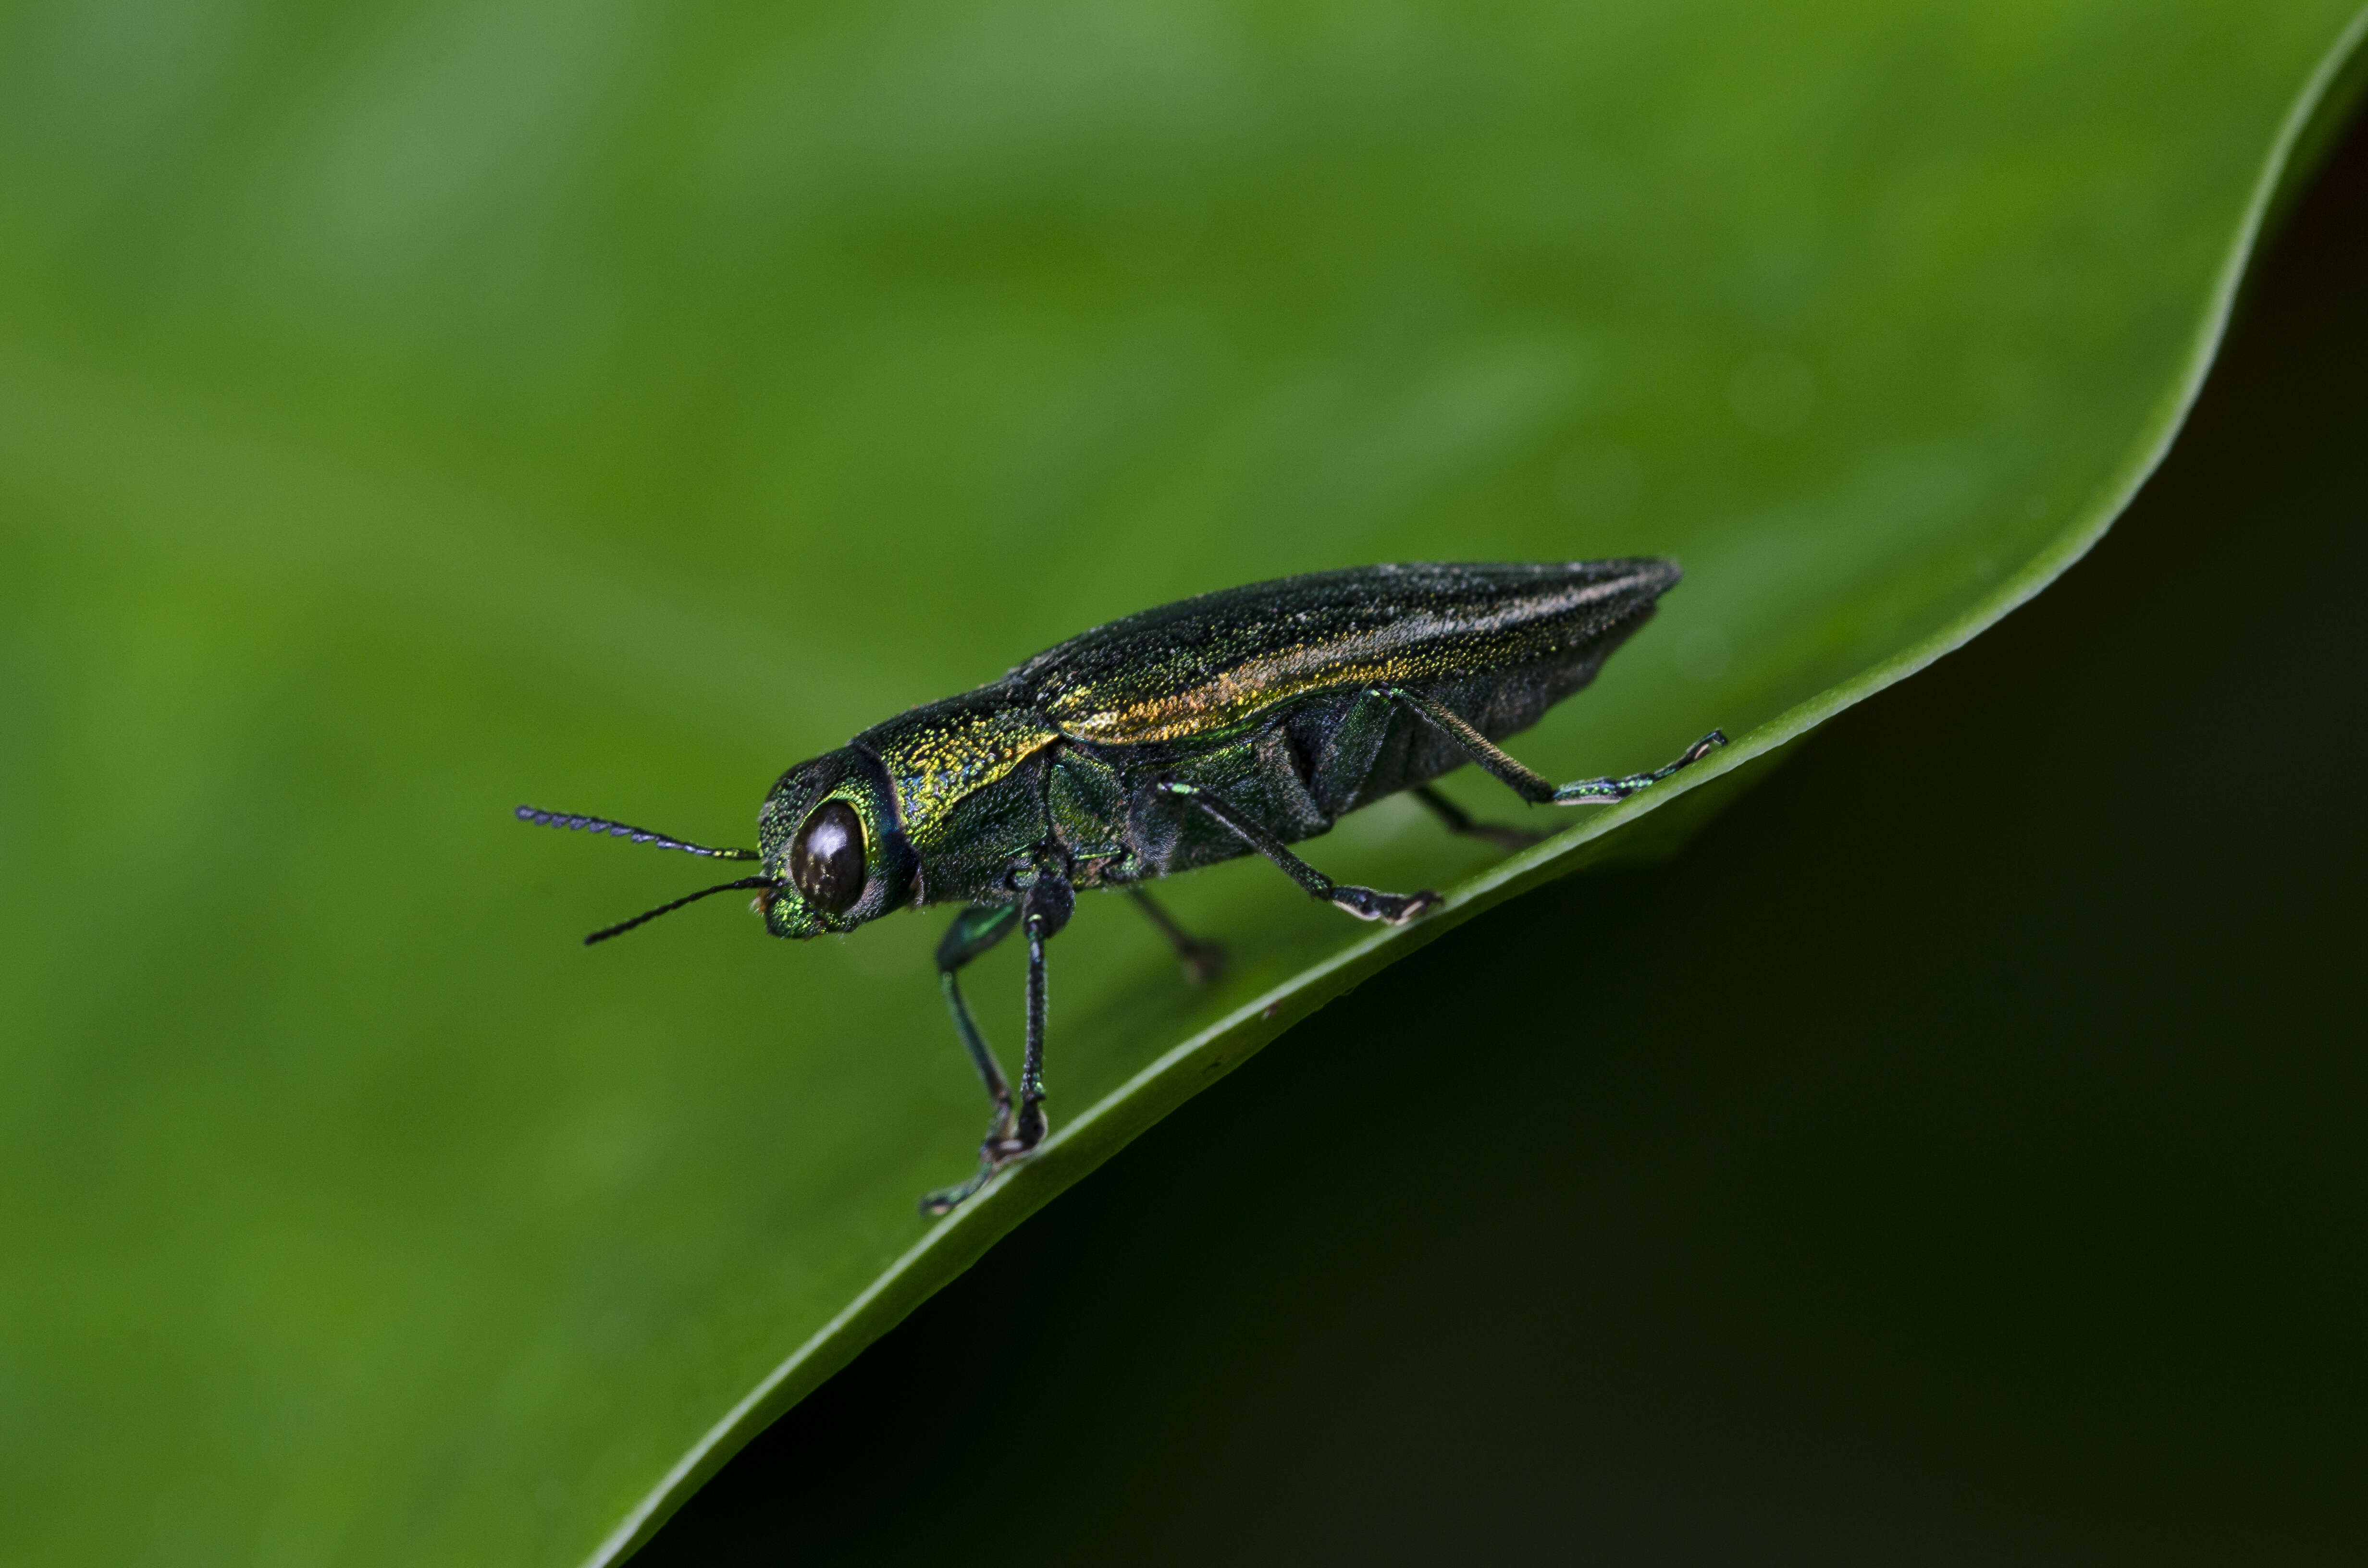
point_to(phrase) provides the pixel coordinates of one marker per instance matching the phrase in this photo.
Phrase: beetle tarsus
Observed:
(947, 1199)
(1010, 1136)
(1605, 791)
(1390, 908)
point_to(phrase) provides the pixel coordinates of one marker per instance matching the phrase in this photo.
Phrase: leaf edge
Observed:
(960, 1239)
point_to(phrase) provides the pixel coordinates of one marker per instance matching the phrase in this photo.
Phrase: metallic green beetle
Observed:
(1237, 722)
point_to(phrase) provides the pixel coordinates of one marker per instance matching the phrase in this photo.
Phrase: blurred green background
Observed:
(410, 409)
(1953, 1156)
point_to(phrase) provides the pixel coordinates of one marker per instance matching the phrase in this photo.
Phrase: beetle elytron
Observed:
(1234, 723)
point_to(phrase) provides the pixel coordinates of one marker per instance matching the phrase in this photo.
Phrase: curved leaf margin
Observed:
(960, 1240)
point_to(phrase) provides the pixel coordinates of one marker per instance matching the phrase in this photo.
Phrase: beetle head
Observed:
(831, 846)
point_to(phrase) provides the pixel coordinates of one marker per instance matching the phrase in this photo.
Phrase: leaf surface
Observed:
(411, 410)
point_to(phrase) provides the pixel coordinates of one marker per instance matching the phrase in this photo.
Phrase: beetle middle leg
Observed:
(1459, 821)
(1203, 960)
(1531, 786)
(1365, 904)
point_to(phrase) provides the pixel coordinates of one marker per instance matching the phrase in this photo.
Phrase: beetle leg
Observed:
(1044, 908)
(1349, 752)
(1603, 792)
(1533, 787)
(1365, 904)
(1458, 820)
(1028, 1130)
(981, 1056)
(1203, 960)
(974, 931)
(1041, 909)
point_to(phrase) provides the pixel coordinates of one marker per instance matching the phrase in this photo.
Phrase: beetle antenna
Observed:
(643, 919)
(638, 834)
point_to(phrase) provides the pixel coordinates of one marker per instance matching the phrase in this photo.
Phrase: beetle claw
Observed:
(1016, 1136)
(1012, 1136)
(1419, 903)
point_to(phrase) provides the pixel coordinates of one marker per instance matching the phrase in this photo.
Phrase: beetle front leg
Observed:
(1030, 1126)
(1045, 908)
(1041, 909)
(1365, 904)
(974, 931)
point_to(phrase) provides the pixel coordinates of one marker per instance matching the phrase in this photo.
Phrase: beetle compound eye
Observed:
(826, 857)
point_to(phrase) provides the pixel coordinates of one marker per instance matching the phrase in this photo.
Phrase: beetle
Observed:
(1237, 722)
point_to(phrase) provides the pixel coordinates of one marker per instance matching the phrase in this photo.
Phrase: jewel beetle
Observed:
(1239, 722)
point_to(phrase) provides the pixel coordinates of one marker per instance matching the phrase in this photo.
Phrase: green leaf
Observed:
(408, 411)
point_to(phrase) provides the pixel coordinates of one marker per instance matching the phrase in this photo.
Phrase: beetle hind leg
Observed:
(1526, 782)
